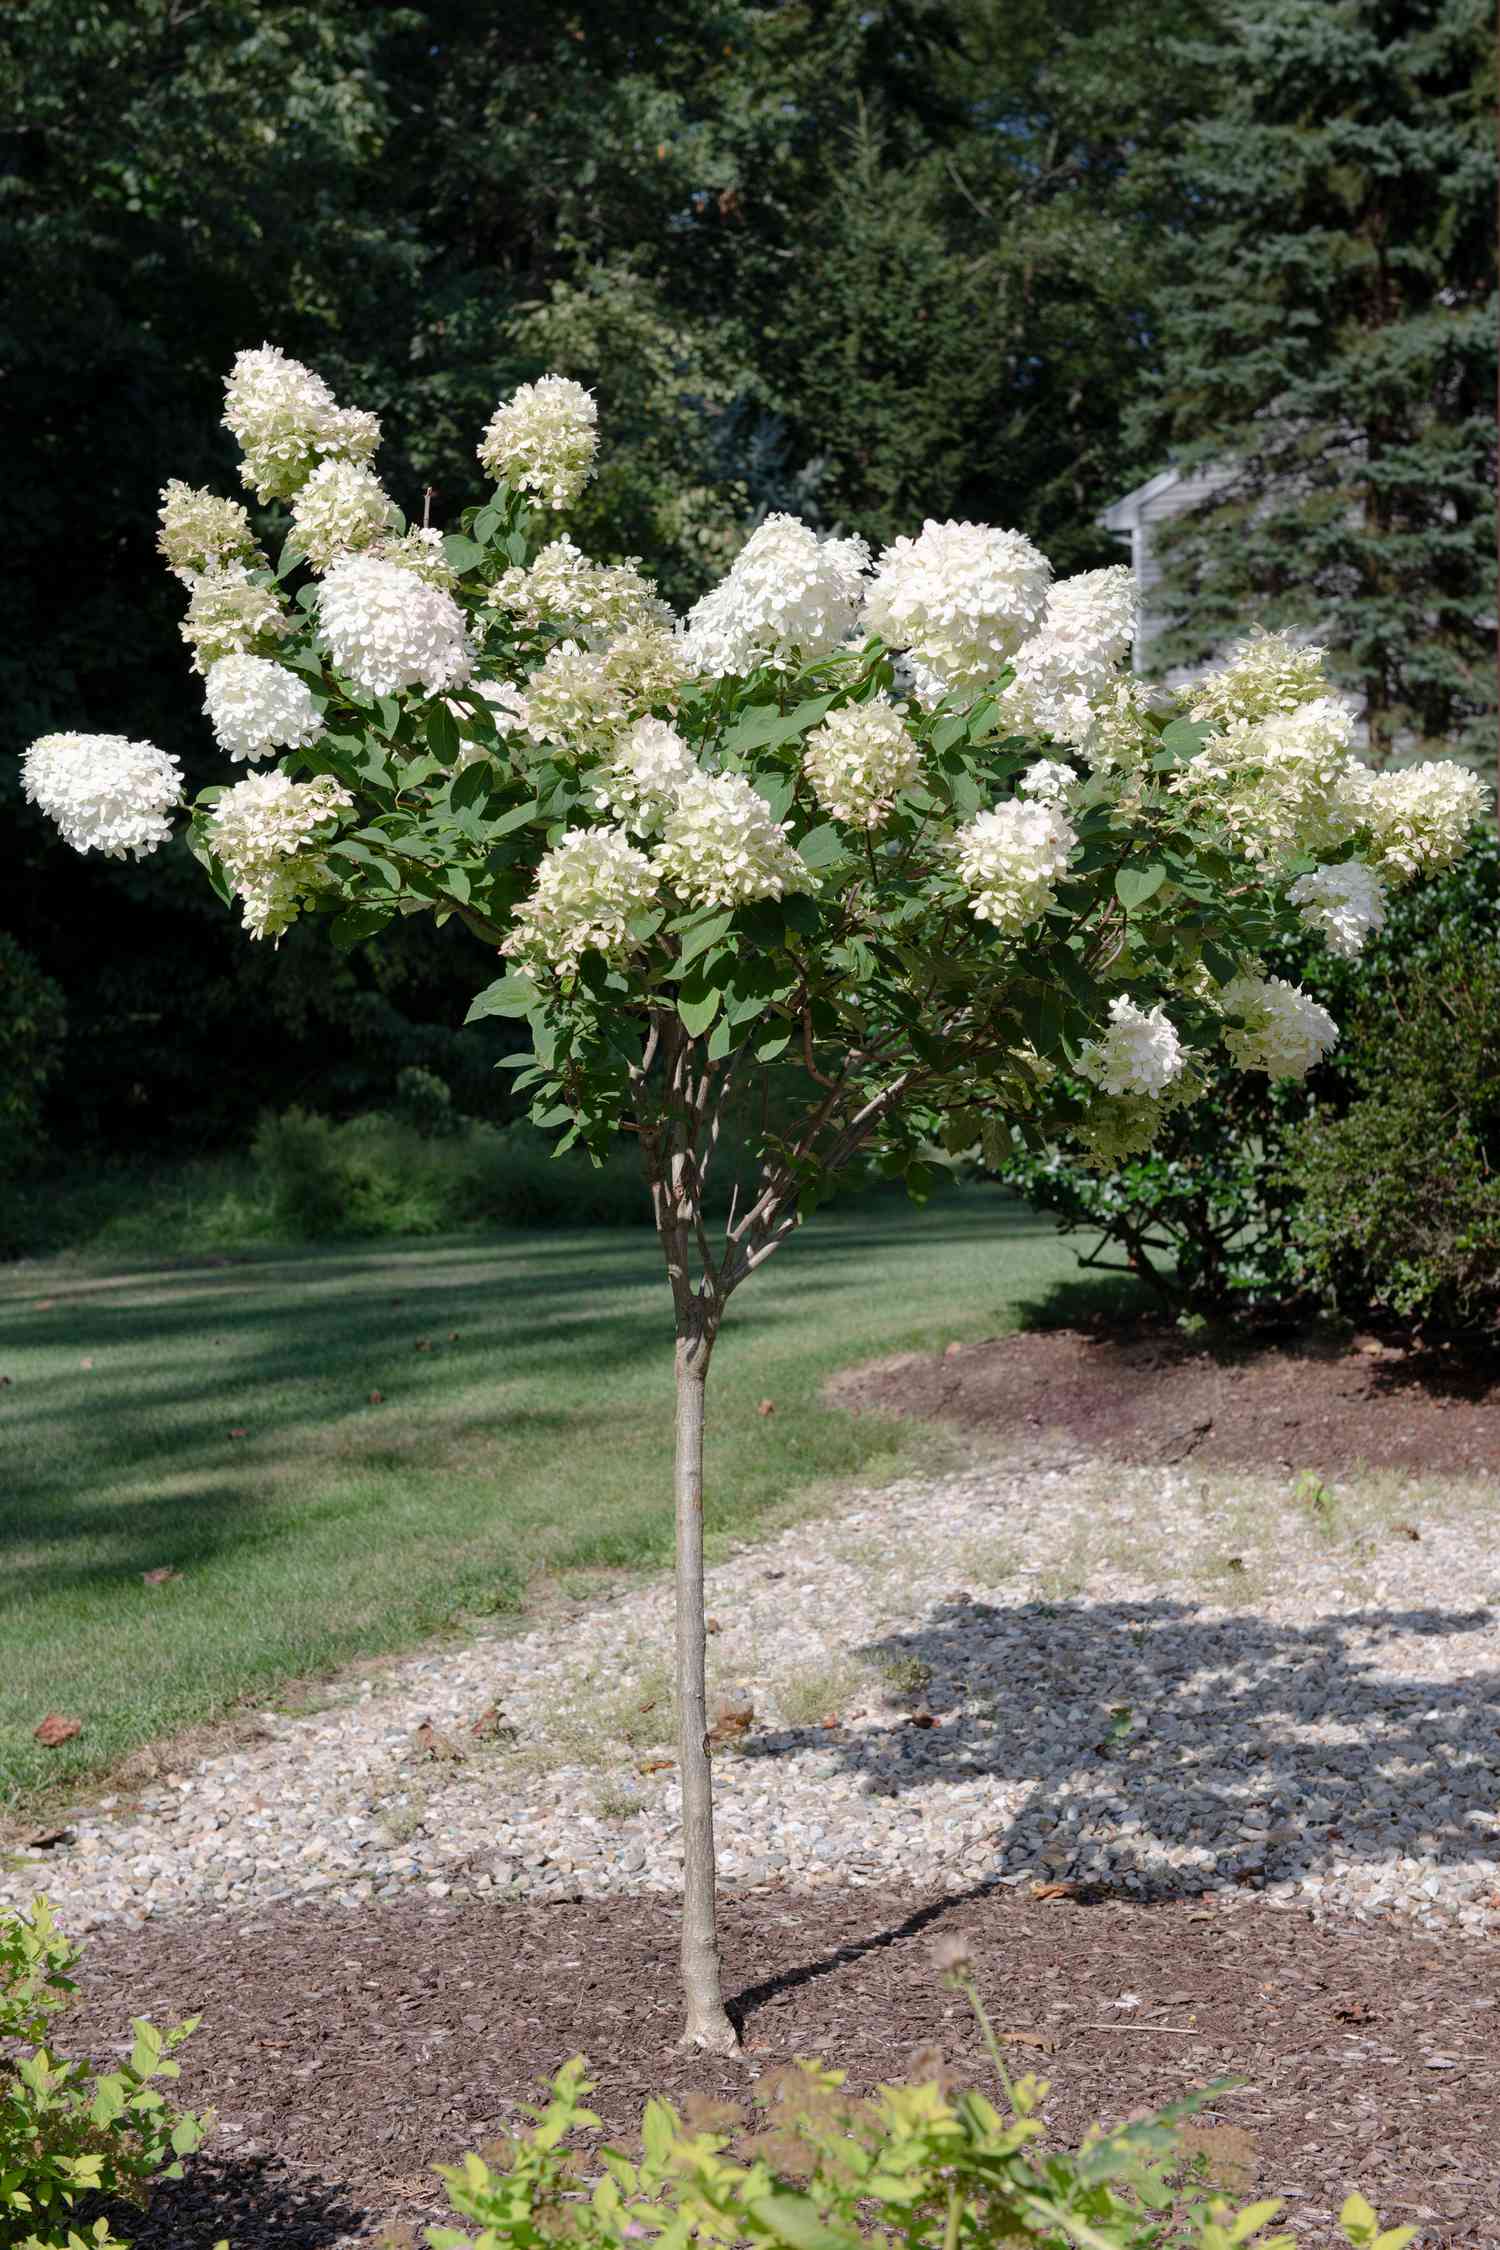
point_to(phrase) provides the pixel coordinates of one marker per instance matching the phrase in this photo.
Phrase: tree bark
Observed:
(707, 2024)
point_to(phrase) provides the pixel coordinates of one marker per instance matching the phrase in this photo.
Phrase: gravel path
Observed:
(1048, 1670)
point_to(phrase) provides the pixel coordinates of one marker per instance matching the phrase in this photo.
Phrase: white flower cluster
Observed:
(1050, 780)
(588, 889)
(256, 708)
(1344, 905)
(543, 440)
(642, 779)
(387, 629)
(592, 601)
(1417, 817)
(1122, 736)
(859, 761)
(341, 507)
(1140, 1053)
(721, 847)
(580, 700)
(1277, 782)
(788, 594)
(229, 614)
(105, 793)
(1269, 675)
(1285, 1030)
(1072, 663)
(264, 832)
(286, 420)
(201, 532)
(960, 597)
(1010, 858)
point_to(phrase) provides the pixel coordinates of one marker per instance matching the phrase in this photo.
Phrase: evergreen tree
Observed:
(1331, 340)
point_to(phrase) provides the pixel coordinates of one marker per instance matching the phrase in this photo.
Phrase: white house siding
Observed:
(1135, 519)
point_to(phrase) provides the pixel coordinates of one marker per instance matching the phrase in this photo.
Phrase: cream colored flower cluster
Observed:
(960, 598)
(1416, 818)
(257, 708)
(1010, 858)
(721, 847)
(230, 613)
(588, 890)
(1283, 1032)
(1344, 905)
(266, 832)
(105, 792)
(1276, 781)
(543, 440)
(788, 595)
(200, 532)
(1068, 667)
(287, 420)
(1269, 676)
(386, 629)
(579, 701)
(1140, 1053)
(859, 761)
(641, 780)
(341, 508)
(591, 601)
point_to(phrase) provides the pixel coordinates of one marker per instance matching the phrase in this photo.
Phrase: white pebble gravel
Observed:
(1043, 1670)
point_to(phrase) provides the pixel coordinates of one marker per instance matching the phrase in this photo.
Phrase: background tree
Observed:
(1331, 335)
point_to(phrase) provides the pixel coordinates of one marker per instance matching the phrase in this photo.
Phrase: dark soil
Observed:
(346, 2052)
(1150, 1395)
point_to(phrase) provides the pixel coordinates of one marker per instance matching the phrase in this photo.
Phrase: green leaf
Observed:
(699, 1012)
(517, 817)
(795, 2219)
(720, 1039)
(289, 558)
(509, 995)
(765, 727)
(701, 935)
(472, 785)
(773, 1044)
(1134, 885)
(487, 523)
(390, 713)
(442, 735)
(820, 847)
(357, 923)
(462, 553)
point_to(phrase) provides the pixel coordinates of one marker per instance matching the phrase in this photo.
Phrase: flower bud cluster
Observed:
(789, 595)
(543, 440)
(580, 700)
(257, 708)
(1276, 781)
(386, 629)
(1284, 1033)
(287, 420)
(1009, 860)
(1269, 676)
(200, 532)
(420, 551)
(342, 507)
(588, 890)
(1344, 905)
(960, 597)
(265, 833)
(232, 614)
(859, 761)
(105, 792)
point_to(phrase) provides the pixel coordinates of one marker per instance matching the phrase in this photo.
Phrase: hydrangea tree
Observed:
(898, 828)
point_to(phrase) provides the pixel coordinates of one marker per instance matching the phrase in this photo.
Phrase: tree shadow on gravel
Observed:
(252, 2202)
(1144, 1728)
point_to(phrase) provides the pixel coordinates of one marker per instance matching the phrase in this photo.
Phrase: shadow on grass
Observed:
(1168, 1727)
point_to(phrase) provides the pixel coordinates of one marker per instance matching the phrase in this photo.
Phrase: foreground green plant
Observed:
(66, 2132)
(923, 2165)
(713, 848)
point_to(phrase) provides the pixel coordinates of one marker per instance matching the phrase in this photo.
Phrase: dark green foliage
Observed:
(33, 1025)
(1373, 1187)
(1332, 334)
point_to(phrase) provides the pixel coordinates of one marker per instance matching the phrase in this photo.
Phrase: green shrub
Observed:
(424, 1103)
(1261, 1198)
(32, 1028)
(918, 2164)
(65, 2132)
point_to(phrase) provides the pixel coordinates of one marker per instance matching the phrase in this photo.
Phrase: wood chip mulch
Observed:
(346, 2052)
(1149, 1394)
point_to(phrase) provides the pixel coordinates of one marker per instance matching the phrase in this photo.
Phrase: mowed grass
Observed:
(220, 1419)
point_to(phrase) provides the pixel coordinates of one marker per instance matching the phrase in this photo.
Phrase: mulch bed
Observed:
(352, 2050)
(1148, 1394)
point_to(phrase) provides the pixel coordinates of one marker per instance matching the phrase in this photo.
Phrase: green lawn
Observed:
(217, 1417)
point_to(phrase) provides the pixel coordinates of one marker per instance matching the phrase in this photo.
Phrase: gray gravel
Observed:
(1039, 1671)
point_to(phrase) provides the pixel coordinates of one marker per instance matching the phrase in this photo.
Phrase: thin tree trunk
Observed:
(707, 2024)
